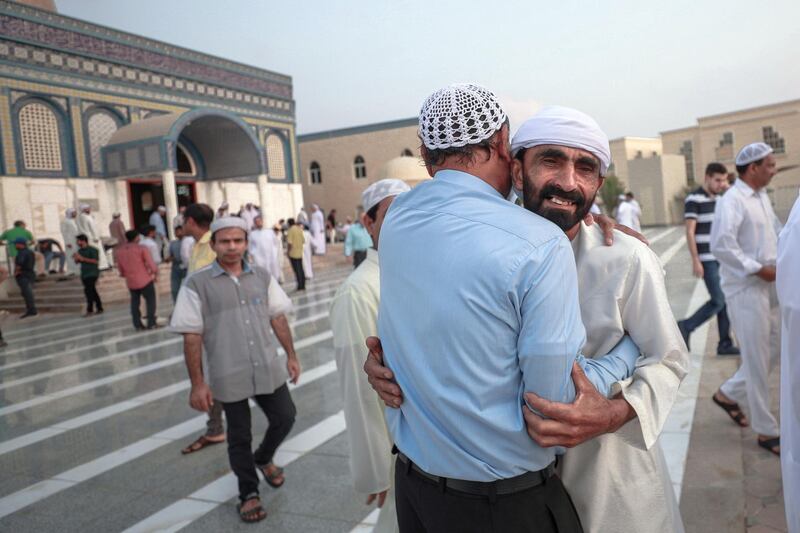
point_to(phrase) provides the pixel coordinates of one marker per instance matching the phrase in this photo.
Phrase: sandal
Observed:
(255, 514)
(733, 410)
(272, 476)
(201, 442)
(771, 444)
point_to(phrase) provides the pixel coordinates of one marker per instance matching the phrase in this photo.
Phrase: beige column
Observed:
(263, 194)
(170, 199)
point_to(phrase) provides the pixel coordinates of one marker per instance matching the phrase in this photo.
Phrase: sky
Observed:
(638, 67)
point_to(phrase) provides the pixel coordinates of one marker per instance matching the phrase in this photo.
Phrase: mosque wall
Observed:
(67, 85)
(657, 183)
(336, 152)
(627, 148)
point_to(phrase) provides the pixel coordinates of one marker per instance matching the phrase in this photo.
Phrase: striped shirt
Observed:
(699, 206)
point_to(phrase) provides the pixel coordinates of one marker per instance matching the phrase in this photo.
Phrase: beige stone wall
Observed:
(746, 126)
(657, 183)
(626, 148)
(340, 189)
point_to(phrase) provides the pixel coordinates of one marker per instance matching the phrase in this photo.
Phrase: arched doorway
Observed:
(163, 157)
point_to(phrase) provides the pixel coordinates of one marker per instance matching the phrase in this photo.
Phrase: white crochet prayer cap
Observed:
(70, 211)
(228, 222)
(458, 115)
(752, 152)
(564, 126)
(380, 190)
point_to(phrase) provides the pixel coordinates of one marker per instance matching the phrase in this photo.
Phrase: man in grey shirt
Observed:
(224, 308)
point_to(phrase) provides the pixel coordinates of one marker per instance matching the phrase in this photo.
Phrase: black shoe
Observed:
(26, 314)
(684, 332)
(728, 349)
(98, 312)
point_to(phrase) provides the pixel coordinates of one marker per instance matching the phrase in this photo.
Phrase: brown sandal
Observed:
(274, 474)
(771, 444)
(256, 514)
(733, 410)
(201, 442)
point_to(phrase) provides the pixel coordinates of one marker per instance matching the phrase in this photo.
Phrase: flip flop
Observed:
(770, 445)
(733, 410)
(201, 442)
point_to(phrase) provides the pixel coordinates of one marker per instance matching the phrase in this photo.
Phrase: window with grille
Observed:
(687, 152)
(359, 167)
(39, 138)
(276, 159)
(315, 173)
(724, 151)
(101, 126)
(773, 138)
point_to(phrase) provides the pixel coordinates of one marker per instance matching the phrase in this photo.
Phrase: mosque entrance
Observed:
(145, 195)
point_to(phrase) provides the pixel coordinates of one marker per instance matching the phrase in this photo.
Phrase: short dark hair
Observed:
(464, 154)
(147, 228)
(629, 194)
(202, 214)
(716, 168)
(741, 169)
(290, 222)
(373, 212)
(82, 237)
(179, 226)
(131, 235)
(18, 223)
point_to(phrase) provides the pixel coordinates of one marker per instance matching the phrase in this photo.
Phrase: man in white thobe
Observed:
(249, 214)
(279, 255)
(317, 229)
(261, 246)
(88, 226)
(615, 471)
(627, 215)
(307, 255)
(788, 285)
(354, 317)
(744, 239)
(69, 231)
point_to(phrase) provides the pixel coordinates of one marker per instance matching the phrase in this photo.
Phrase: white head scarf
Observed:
(564, 126)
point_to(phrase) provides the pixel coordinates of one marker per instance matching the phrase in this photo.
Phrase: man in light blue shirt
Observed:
(357, 242)
(478, 304)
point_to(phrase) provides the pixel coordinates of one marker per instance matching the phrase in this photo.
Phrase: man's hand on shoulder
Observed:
(608, 225)
(381, 377)
(570, 424)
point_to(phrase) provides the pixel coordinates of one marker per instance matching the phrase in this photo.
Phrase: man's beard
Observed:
(565, 219)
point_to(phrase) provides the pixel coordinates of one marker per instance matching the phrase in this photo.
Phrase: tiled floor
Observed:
(93, 416)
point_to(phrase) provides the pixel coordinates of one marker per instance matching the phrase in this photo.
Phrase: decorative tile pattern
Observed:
(276, 162)
(41, 145)
(101, 127)
(88, 44)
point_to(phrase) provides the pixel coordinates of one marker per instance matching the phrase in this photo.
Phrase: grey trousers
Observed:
(214, 426)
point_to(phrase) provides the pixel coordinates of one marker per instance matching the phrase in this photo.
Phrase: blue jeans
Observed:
(715, 306)
(175, 280)
(48, 258)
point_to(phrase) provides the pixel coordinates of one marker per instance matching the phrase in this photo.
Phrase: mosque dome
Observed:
(407, 168)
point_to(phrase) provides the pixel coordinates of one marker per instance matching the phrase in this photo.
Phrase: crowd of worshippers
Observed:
(525, 357)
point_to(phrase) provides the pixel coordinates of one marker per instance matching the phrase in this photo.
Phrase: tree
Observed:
(610, 191)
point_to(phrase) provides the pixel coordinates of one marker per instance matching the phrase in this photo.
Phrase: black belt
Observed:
(512, 485)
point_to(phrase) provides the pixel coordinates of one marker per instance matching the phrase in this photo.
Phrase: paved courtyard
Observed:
(93, 416)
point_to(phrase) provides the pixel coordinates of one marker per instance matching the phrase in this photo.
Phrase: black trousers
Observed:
(149, 294)
(92, 298)
(358, 257)
(299, 273)
(26, 288)
(426, 507)
(280, 412)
